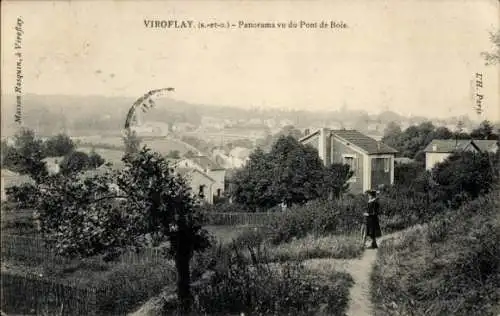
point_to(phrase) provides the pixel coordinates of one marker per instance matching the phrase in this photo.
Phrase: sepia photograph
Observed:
(250, 157)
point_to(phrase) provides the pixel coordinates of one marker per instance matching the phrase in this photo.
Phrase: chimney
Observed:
(306, 132)
(378, 145)
(434, 147)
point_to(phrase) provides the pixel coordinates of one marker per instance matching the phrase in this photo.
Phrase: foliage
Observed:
(26, 155)
(414, 139)
(406, 174)
(59, 145)
(95, 160)
(484, 131)
(85, 287)
(250, 185)
(319, 218)
(313, 247)
(335, 181)
(175, 154)
(263, 289)
(126, 286)
(75, 162)
(465, 175)
(289, 130)
(449, 267)
(494, 57)
(25, 195)
(91, 216)
(290, 173)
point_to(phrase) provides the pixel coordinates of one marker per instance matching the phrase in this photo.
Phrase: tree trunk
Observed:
(182, 259)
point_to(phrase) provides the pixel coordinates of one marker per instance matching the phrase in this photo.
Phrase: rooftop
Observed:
(206, 163)
(447, 145)
(366, 143)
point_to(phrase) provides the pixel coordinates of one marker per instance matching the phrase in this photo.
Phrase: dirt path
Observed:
(360, 270)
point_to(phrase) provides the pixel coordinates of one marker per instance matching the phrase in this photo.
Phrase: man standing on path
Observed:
(372, 223)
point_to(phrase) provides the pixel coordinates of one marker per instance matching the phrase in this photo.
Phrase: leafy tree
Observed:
(412, 141)
(405, 175)
(250, 185)
(189, 154)
(87, 216)
(494, 57)
(175, 154)
(59, 145)
(95, 160)
(75, 162)
(392, 135)
(335, 181)
(26, 155)
(290, 173)
(484, 131)
(288, 130)
(297, 171)
(466, 175)
(442, 133)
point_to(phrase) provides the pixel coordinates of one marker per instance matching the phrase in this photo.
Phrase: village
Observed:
(250, 158)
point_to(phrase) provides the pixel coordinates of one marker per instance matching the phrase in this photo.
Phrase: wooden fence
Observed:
(29, 294)
(38, 248)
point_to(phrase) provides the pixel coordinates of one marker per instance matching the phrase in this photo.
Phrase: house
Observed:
(201, 183)
(484, 145)
(439, 149)
(10, 179)
(52, 164)
(236, 158)
(371, 161)
(207, 166)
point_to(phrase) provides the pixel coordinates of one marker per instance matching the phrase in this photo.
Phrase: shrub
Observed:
(319, 218)
(25, 195)
(59, 145)
(465, 175)
(265, 289)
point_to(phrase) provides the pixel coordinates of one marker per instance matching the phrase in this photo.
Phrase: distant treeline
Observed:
(77, 115)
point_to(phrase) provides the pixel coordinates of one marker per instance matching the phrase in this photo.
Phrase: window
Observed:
(201, 191)
(387, 164)
(218, 192)
(350, 160)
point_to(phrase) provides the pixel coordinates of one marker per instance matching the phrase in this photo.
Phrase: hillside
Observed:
(86, 115)
(449, 267)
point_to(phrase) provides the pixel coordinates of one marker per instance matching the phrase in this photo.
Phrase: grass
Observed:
(120, 287)
(297, 249)
(311, 247)
(226, 233)
(449, 266)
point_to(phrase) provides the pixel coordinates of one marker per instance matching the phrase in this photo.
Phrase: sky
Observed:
(412, 57)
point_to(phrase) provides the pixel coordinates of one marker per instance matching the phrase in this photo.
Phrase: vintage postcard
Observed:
(250, 157)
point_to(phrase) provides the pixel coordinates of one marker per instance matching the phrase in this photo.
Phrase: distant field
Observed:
(110, 155)
(162, 145)
(165, 145)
